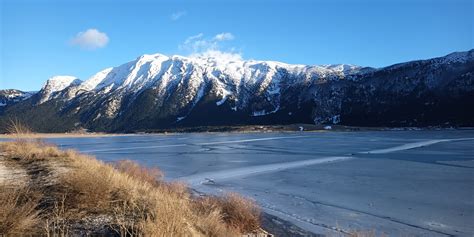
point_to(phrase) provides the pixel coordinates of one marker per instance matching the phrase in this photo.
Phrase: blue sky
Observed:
(41, 38)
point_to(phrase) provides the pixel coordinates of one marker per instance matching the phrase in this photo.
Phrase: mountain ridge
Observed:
(157, 91)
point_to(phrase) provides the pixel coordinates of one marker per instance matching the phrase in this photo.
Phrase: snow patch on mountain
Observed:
(264, 112)
(56, 84)
(457, 57)
(11, 96)
(225, 94)
(59, 83)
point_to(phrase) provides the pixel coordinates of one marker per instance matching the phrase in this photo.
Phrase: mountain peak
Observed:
(149, 57)
(458, 57)
(56, 84)
(11, 96)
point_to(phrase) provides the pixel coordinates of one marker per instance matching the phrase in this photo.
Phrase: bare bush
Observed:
(16, 127)
(56, 223)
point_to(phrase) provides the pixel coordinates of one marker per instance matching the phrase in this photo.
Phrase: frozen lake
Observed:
(403, 183)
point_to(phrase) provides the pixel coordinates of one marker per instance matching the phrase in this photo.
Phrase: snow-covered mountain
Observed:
(56, 84)
(230, 77)
(157, 91)
(12, 96)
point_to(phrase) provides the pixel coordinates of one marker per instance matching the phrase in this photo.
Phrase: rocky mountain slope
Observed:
(12, 96)
(157, 91)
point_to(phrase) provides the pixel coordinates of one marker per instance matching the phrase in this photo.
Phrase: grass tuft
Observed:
(239, 213)
(149, 175)
(18, 210)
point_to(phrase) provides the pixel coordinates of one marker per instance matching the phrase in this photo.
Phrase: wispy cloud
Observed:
(90, 39)
(210, 47)
(177, 15)
(224, 36)
(192, 39)
(200, 43)
(220, 55)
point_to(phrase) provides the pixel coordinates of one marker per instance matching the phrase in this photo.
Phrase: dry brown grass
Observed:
(135, 199)
(18, 214)
(33, 150)
(149, 175)
(239, 213)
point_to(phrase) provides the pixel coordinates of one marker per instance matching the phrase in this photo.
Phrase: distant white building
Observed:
(327, 127)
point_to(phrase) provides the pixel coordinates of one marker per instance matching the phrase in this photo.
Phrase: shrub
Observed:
(16, 127)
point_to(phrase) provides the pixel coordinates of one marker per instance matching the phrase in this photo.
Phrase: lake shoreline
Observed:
(231, 129)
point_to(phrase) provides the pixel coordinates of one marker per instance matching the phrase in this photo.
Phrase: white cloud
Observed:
(224, 36)
(175, 16)
(90, 39)
(219, 55)
(193, 38)
(211, 47)
(198, 43)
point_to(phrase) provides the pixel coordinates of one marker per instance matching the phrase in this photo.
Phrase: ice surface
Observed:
(254, 170)
(413, 145)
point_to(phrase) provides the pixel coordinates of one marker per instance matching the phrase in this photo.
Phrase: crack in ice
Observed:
(200, 178)
(412, 145)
